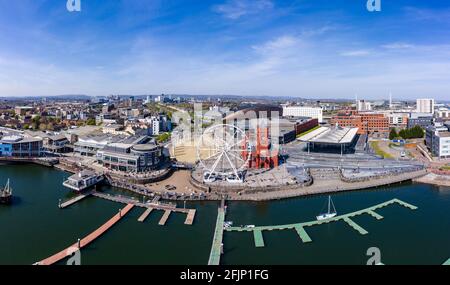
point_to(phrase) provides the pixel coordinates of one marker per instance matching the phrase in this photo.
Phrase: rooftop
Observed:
(444, 134)
(85, 174)
(337, 135)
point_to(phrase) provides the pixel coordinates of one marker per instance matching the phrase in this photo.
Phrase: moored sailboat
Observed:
(330, 214)
(6, 194)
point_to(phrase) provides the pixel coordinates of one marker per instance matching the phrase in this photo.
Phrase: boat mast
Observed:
(329, 201)
(7, 190)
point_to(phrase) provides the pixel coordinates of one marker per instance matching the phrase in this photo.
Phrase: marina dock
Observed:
(300, 227)
(87, 240)
(154, 205)
(216, 248)
(190, 217)
(74, 200)
(145, 215)
(165, 217)
(302, 234)
(259, 240)
(355, 226)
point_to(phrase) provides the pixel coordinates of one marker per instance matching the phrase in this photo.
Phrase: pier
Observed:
(167, 208)
(87, 240)
(259, 240)
(302, 234)
(165, 217)
(74, 200)
(145, 215)
(300, 227)
(190, 217)
(216, 248)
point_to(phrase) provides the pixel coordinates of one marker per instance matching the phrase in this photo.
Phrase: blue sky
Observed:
(307, 48)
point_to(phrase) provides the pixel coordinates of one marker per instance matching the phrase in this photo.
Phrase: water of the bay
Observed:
(33, 227)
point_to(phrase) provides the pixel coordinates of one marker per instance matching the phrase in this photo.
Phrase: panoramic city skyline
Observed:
(219, 138)
(310, 49)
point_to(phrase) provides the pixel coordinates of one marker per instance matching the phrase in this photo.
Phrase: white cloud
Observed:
(354, 53)
(277, 44)
(235, 9)
(398, 46)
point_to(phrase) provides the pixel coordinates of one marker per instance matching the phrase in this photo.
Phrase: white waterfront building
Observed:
(302, 111)
(438, 140)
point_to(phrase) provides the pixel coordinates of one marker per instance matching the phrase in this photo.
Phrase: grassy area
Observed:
(379, 151)
(445, 167)
(307, 132)
(163, 137)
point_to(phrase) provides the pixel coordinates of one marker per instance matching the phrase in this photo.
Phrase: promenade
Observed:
(328, 186)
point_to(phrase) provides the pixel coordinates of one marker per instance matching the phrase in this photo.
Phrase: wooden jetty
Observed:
(154, 205)
(165, 217)
(87, 240)
(190, 217)
(74, 200)
(145, 215)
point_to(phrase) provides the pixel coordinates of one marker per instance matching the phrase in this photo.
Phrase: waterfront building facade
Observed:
(82, 180)
(20, 146)
(437, 139)
(301, 111)
(131, 157)
(375, 125)
(56, 144)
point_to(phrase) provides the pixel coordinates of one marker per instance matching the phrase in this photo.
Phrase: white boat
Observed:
(228, 224)
(250, 226)
(330, 214)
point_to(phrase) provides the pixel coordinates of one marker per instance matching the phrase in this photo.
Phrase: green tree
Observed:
(413, 133)
(91, 122)
(163, 137)
(393, 134)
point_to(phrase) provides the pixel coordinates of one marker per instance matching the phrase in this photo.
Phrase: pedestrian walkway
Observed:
(87, 240)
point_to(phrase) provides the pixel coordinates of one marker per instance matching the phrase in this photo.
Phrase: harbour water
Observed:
(33, 227)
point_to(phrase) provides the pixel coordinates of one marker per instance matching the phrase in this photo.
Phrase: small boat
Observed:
(6, 194)
(250, 226)
(228, 224)
(330, 214)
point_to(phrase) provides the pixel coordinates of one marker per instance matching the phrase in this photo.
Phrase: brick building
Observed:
(373, 124)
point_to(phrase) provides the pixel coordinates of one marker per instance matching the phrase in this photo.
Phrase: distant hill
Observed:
(54, 97)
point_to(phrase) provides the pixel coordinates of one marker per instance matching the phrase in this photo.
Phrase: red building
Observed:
(372, 124)
(261, 153)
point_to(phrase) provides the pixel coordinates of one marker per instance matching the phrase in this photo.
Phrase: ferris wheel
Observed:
(222, 151)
